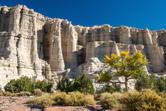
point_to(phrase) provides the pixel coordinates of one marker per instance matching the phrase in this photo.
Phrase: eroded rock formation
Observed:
(34, 45)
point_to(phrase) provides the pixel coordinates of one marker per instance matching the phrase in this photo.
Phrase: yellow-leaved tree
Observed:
(130, 67)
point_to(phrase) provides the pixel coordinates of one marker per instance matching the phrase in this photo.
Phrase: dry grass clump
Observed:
(37, 92)
(130, 100)
(151, 101)
(6, 93)
(22, 93)
(89, 100)
(42, 100)
(79, 99)
(61, 98)
(110, 101)
(97, 96)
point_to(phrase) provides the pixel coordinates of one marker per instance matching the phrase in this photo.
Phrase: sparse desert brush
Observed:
(6, 93)
(151, 101)
(130, 100)
(89, 100)
(43, 100)
(37, 92)
(97, 96)
(147, 100)
(109, 101)
(76, 99)
(59, 98)
(79, 99)
(24, 93)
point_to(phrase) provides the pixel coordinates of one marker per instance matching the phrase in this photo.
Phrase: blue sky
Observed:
(133, 13)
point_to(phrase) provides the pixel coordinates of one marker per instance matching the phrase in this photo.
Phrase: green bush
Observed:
(81, 84)
(65, 85)
(113, 88)
(146, 82)
(110, 101)
(27, 84)
(161, 84)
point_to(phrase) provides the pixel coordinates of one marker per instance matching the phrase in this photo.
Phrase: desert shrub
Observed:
(113, 88)
(24, 93)
(147, 100)
(61, 98)
(104, 100)
(151, 101)
(6, 93)
(97, 96)
(27, 84)
(81, 84)
(161, 84)
(43, 85)
(43, 100)
(146, 82)
(79, 99)
(89, 100)
(109, 101)
(37, 92)
(74, 99)
(130, 100)
(65, 85)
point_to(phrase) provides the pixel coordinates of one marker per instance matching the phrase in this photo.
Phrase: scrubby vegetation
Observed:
(42, 100)
(81, 84)
(62, 98)
(150, 82)
(147, 100)
(22, 93)
(27, 84)
(110, 101)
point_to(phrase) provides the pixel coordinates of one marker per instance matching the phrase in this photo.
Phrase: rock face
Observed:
(34, 45)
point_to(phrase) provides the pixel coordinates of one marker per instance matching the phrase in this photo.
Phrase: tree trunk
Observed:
(126, 85)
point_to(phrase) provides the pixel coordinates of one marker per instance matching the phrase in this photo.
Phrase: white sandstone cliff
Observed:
(34, 45)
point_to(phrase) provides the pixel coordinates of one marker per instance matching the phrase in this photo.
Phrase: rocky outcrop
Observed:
(34, 45)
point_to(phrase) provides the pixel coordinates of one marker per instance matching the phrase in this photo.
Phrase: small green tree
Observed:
(127, 66)
(146, 82)
(86, 85)
(81, 84)
(65, 85)
(161, 84)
